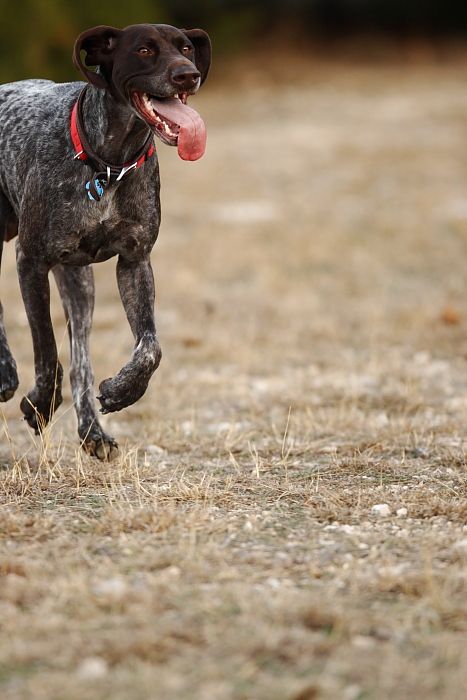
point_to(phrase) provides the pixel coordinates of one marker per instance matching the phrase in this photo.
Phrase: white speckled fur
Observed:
(43, 203)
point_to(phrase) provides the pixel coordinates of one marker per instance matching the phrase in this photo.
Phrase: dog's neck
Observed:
(112, 128)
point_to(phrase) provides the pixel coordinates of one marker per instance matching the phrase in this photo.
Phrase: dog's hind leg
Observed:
(76, 287)
(41, 402)
(8, 373)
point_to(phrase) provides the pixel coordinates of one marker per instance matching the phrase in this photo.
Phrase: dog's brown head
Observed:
(154, 68)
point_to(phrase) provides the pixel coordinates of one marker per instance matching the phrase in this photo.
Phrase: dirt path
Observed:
(311, 276)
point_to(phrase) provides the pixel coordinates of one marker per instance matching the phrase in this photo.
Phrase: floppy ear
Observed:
(202, 44)
(99, 44)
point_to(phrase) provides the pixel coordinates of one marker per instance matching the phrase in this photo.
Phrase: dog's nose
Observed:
(184, 77)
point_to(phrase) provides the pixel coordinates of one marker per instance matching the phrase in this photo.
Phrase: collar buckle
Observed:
(126, 169)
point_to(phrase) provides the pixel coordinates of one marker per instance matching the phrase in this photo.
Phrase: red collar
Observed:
(84, 152)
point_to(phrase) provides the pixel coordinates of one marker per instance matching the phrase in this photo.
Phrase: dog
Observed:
(79, 184)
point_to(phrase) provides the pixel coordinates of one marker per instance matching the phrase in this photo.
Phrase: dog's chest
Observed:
(99, 232)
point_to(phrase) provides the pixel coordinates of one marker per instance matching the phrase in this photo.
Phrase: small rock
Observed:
(92, 668)
(352, 692)
(187, 427)
(361, 641)
(461, 546)
(382, 510)
(155, 450)
(273, 582)
(172, 571)
(113, 588)
(401, 512)
(418, 453)
(381, 419)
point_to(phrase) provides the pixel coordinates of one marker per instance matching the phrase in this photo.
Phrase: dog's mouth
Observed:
(174, 122)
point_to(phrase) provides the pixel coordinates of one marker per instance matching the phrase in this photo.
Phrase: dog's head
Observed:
(153, 68)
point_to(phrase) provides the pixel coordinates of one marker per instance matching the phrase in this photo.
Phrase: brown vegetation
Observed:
(311, 277)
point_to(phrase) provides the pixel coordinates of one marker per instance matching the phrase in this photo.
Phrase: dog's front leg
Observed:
(136, 286)
(40, 403)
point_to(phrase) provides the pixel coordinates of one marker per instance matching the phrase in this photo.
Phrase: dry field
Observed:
(312, 309)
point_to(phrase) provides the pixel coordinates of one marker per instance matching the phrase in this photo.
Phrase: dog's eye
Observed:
(186, 50)
(144, 51)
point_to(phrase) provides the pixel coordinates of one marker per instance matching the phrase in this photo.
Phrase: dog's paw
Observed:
(120, 392)
(8, 379)
(38, 407)
(98, 444)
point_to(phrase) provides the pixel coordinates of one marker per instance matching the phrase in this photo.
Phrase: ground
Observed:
(288, 517)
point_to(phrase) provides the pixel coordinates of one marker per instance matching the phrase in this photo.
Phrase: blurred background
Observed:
(36, 35)
(319, 249)
(311, 280)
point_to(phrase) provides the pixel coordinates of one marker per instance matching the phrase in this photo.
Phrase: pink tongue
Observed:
(192, 136)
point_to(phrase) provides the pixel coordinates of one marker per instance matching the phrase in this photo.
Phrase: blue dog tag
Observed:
(95, 189)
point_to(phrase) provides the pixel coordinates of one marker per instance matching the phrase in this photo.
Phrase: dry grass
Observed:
(311, 275)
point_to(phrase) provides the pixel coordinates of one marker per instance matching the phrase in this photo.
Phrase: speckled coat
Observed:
(43, 204)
